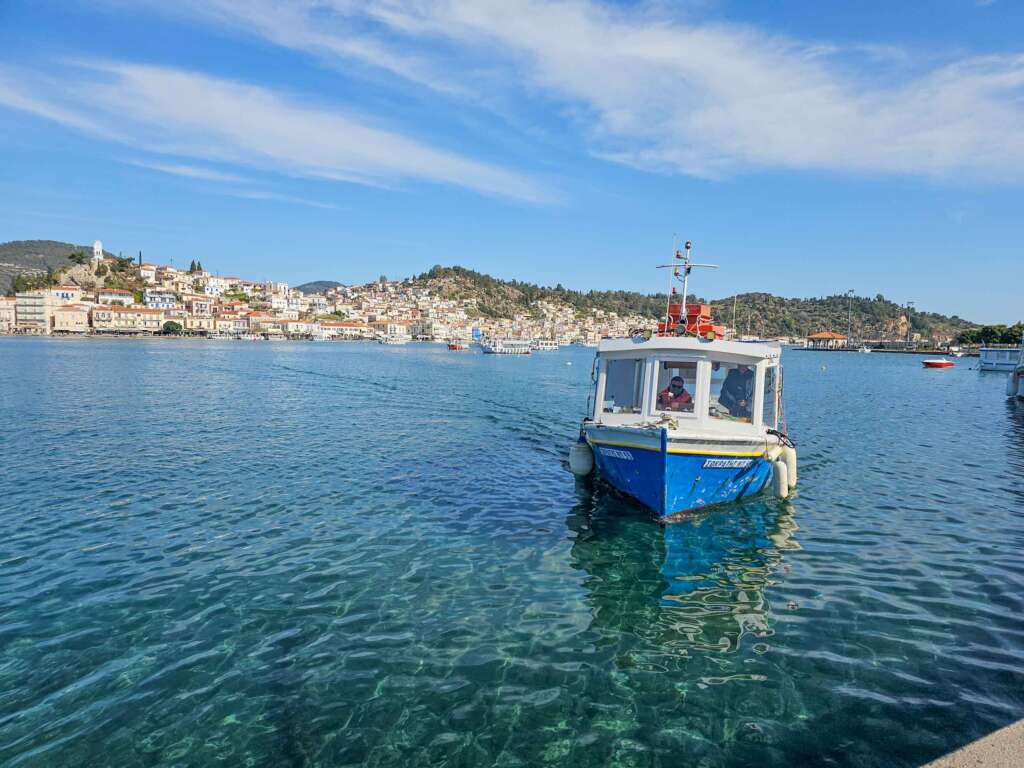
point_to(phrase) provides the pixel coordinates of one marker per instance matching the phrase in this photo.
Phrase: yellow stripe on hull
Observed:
(676, 450)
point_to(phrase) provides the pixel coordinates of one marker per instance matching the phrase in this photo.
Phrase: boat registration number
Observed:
(727, 463)
(615, 453)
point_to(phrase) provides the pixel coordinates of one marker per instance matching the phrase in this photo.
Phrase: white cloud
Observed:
(671, 94)
(189, 171)
(188, 114)
(259, 194)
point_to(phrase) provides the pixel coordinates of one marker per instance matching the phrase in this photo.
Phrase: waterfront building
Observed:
(34, 311)
(118, 319)
(826, 340)
(226, 324)
(386, 327)
(7, 313)
(148, 273)
(199, 324)
(344, 329)
(71, 318)
(296, 327)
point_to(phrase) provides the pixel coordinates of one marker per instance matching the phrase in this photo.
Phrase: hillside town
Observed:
(163, 299)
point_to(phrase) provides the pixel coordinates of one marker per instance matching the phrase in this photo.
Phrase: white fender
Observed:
(581, 459)
(780, 479)
(789, 456)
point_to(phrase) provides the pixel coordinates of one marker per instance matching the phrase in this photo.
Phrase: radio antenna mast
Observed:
(681, 271)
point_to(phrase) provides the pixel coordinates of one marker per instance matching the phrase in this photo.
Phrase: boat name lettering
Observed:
(615, 453)
(727, 463)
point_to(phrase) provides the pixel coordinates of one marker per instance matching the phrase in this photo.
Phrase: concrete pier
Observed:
(1002, 749)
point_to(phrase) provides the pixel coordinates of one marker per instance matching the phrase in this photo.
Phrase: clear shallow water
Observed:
(331, 554)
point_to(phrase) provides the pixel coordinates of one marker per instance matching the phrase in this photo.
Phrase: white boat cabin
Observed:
(998, 358)
(690, 385)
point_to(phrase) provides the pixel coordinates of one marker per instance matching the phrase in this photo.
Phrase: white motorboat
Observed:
(392, 338)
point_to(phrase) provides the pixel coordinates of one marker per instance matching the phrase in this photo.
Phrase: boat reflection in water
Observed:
(697, 587)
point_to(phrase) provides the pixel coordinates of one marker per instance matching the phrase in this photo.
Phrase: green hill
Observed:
(317, 286)
(758, 314)
(762, 314)
(35, 258)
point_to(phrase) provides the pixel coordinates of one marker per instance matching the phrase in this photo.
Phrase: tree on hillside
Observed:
(172, 327)
(77, 258)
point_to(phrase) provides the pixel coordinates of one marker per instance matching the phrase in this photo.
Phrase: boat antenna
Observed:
(681, 271)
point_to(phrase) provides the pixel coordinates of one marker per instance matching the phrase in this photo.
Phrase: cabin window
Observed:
(623, 390)
(732, 392)
(769, 413)
(677, 385)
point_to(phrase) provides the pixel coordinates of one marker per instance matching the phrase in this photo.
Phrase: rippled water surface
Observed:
(217, 553)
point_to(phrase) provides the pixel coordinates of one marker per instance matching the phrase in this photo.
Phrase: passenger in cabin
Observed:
(738, 391)
(674, 397)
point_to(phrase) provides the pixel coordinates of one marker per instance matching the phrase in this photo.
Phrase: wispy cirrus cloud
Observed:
(188, 114)
(262, 194)
(188, 171)
(672, 93)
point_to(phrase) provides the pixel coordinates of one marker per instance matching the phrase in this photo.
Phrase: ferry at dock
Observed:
(506, 347)
(683, 420)
(545, 345)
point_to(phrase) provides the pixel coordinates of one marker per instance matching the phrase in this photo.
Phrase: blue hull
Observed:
(672, 482)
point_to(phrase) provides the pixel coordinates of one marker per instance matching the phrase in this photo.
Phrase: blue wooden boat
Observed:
(681, 422)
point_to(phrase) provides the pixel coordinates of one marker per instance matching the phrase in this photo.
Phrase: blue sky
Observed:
(808, 148)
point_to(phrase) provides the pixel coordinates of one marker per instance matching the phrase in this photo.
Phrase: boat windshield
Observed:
(623, 390)
(677, 383)
(732, 392)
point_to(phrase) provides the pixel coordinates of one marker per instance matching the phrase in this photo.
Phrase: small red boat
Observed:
(457, 346)
(938, 363)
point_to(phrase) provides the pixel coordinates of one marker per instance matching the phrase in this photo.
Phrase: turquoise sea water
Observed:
(227, 553)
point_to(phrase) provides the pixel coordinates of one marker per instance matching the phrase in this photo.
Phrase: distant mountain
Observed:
(759, 314)
(35, 257)
(318, 286)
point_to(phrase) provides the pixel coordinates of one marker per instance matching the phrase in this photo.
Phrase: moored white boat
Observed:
(506, 347)
(1015, 385)
(545, 345)
(681, 423)
(998, 358)
(391, 338)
